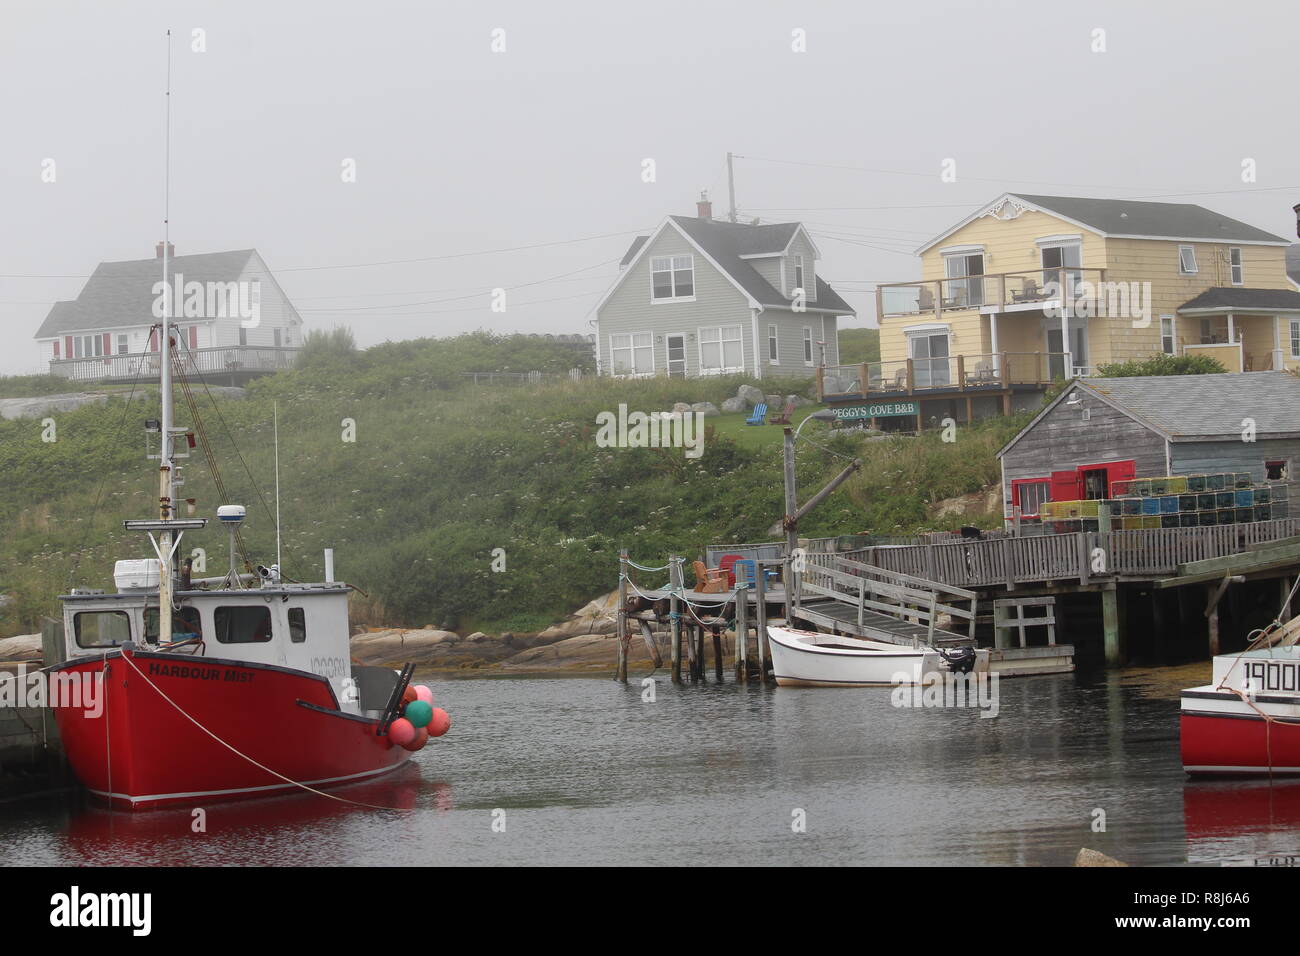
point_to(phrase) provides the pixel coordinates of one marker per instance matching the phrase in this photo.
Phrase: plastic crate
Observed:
(1151, 506)
(1159, 486)
(1225, 499)
(1168, 505)
(1141, 487)
(1177, 484)
(1262, 512)
(1216, 482)
(1263, 495)
(1088, 508)
(1227, 515)
(1130, 523)
(1169, 521)
(1245, 497)
(1089, 524)
(1131, 506)
(1243, 480)
(1150, 521)
(1122, 489)
(1195, 482)
(1207, 517)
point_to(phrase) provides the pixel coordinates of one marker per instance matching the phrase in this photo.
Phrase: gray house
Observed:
(1103, 430)
(704, 297)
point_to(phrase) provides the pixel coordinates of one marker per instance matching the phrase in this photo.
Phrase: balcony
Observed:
(999, 372)
(230, 364)
(996, 292)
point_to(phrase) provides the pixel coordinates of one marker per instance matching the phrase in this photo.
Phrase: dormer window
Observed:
(672, 277)
(1187, 260)
(798, 273)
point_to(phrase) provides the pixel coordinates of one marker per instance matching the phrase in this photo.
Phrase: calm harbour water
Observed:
(588, 773)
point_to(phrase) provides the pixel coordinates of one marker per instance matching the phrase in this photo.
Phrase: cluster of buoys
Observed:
(419, 719)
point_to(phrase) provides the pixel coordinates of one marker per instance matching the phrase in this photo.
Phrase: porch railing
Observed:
(980, 372)
(231, 359)
(998, 290)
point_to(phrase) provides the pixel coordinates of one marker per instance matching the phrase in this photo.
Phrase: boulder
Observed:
(799, 401)
(1088, 857)
(597, 652)
(736, 404)
(24, 647)
(707, 409)
(681, 408)
(477, 636)
(774, 404)
(13, 408)
(752, 396)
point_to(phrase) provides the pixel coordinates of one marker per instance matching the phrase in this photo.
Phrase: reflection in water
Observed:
(1247, 823)
(586, 771)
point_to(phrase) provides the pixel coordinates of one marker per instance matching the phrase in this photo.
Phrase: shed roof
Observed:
(1227, 298)
(1196, 407)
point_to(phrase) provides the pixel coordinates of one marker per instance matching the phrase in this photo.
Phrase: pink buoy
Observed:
(439, 723)
(424, 694)
(421, 738)
(401, 731)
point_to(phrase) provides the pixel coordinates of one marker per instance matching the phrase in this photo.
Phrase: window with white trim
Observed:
(798, 274)
(1167, 334)
(672, 277)
(773, 353)
(632, 353)
(122, 346)
(1295, 338)
(721, 350)
(1235, 266)
(807, 346)
(1187, 260)
(1030, 494)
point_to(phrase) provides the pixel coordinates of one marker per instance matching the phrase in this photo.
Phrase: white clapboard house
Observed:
(232, 320)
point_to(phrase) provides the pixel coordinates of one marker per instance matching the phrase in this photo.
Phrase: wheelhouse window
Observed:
(672, 277)
(632, 353)
(101, 628)
(185, 624)
(1167, 334)
(721, 350)
(1187, 260)
(297, 625)
(242, 624)
(807, 346)
(1235, 266)
(773, 355)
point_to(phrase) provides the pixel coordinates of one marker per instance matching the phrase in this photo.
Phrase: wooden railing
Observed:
(869, 587)
(999, 290)
(1145, 553)
(993, 371)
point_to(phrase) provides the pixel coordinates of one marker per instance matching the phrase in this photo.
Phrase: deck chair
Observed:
(727, 564)
(746, 572)
(784, 417)
(983, 371)
(709, 580)
(760, 413)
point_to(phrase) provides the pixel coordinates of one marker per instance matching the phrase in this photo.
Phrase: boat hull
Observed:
(140, 751)
(1223, 735)
(845, 662)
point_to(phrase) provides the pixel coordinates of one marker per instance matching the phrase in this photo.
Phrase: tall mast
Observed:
(166, 480)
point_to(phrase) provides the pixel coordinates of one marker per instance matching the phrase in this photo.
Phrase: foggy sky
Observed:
(462, 150)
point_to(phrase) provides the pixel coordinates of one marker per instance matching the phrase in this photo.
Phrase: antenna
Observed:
(275, 413)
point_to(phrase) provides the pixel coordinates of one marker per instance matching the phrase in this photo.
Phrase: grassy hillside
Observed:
(859, 345)
(440, 474)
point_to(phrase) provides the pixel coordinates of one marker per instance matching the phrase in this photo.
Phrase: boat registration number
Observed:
(1273, 675)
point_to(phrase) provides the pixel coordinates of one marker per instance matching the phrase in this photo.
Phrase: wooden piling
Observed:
(760, 618)
(717, 654)
(742, 634)
(621, 674)
(1111, 626)
(674, 615)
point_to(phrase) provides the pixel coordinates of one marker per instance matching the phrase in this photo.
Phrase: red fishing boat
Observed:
(1246, 721)
(177, 691)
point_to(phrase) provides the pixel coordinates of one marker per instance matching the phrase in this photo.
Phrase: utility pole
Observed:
(731, 190)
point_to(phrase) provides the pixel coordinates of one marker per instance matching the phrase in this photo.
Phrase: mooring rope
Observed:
(234, 750)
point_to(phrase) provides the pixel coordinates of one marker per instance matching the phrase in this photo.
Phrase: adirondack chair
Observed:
(727, 564)
(746, 572)
(760, 413)
(784, 417)
(709, 580)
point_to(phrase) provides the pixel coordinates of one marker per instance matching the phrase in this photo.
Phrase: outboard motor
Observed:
(959, 661)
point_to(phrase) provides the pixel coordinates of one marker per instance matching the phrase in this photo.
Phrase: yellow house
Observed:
(1031, 288)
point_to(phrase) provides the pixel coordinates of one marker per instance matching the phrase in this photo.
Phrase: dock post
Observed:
(1111, 625)
(1212, 617)
(674, 615)
(742, 634)
(621, 673)
(1285, 614)
(717, 654)
(760, 617)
